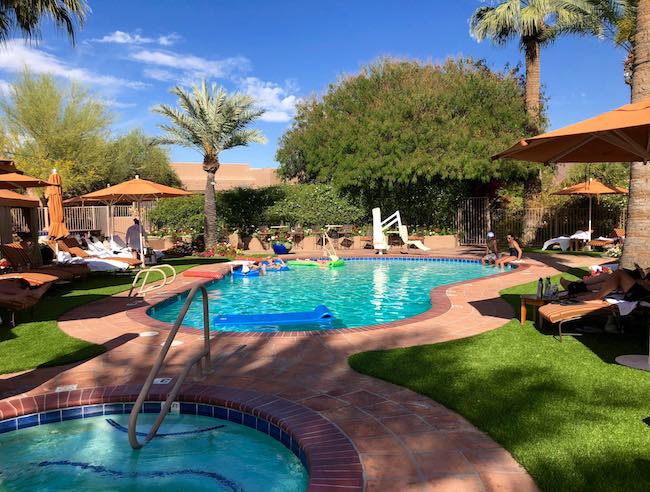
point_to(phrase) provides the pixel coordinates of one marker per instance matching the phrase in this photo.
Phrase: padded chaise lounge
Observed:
(72, 246)
(560, 313)
(26, 257)
(16, 295)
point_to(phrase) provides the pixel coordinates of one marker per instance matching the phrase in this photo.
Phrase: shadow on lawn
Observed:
(31, 379)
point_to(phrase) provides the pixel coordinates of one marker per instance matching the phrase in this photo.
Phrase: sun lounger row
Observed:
(17, 295)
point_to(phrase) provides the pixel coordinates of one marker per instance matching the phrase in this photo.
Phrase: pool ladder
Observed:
(160, 269)
(202, 358)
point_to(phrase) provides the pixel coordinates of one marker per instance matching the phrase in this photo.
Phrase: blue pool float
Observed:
(239, 273)
(321, 314)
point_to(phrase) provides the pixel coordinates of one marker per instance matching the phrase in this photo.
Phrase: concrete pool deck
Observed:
(404, 441)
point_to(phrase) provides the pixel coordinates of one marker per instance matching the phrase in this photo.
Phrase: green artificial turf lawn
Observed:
(570, 415)
(40, 343)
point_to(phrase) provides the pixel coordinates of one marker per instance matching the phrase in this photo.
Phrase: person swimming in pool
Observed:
(246, 269)
(514, 252)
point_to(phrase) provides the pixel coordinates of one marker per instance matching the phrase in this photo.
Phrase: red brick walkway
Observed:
(405, 441)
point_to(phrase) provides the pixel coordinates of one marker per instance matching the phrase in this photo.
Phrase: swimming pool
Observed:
(363, 292)
(191, 452)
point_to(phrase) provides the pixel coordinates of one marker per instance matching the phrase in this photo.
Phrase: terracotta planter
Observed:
(235, 240)
(254, 244)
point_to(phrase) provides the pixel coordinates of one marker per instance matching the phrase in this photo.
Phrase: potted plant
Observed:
(281, 243)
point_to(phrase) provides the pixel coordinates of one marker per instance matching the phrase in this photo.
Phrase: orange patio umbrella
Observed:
(12, 199)
(135, 190)
(591, 188)
(57, 228)
(621, 135)
(12, 181)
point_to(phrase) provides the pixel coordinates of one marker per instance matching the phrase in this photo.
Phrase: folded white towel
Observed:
(624, 307)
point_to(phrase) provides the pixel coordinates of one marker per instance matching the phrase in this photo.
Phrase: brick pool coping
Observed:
(405, 441)
(332, 460)
(440, 302)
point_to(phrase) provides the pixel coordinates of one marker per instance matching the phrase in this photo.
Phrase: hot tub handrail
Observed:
(204, 368)
(146, 271)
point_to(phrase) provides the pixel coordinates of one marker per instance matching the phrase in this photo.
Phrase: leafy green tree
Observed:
(27, 15)
(210, 121)
(401, 132)
(534, 23)
(49, 125)
(135, 153)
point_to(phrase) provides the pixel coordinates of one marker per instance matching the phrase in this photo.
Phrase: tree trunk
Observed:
(210, 166)
(532, 57)
(637, 228)
(532, 185)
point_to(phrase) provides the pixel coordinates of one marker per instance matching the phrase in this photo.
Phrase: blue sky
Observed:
(131, 52)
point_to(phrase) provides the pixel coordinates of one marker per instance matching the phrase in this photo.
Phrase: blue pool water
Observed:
(197, 453)
(361, 293)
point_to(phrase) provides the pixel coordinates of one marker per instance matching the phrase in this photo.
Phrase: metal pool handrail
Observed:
(157, 268)
(204, 369)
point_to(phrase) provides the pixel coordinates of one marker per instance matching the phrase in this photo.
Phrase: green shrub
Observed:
(312, 204)
(244, 209)
(179, 215)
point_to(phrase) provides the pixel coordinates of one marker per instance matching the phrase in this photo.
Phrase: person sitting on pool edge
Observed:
(491, 249)
(514, 252)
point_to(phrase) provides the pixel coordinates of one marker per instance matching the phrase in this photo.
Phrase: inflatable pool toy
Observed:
(281, 269)
(302, 263)
(251, 273)
(321, 314)
(336, 263)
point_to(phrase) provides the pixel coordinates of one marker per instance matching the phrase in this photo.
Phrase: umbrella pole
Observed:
(589, 231)
(142, 258)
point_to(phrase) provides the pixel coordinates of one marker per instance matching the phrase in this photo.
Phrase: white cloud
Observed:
(159, 74)
(112, 103)
(169, 39)
(121, 37)
(15, 56)
(278, 103)
(194, 66)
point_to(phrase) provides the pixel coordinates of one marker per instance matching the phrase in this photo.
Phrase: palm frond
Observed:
(209, 119)
(26, 16)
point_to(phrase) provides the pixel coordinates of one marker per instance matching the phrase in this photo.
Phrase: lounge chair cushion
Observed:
(33, 278)
(554, 313)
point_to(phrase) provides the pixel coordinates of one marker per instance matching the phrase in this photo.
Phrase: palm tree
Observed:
(210, 121)
(534, 23)
(26, 16)
(619, 26)
(636, 249)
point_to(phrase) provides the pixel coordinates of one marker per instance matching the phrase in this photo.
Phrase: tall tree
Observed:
(407, 135)
(26, 16)
(534, 23)
(636, 248)
(210, 121)
(49, 124)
